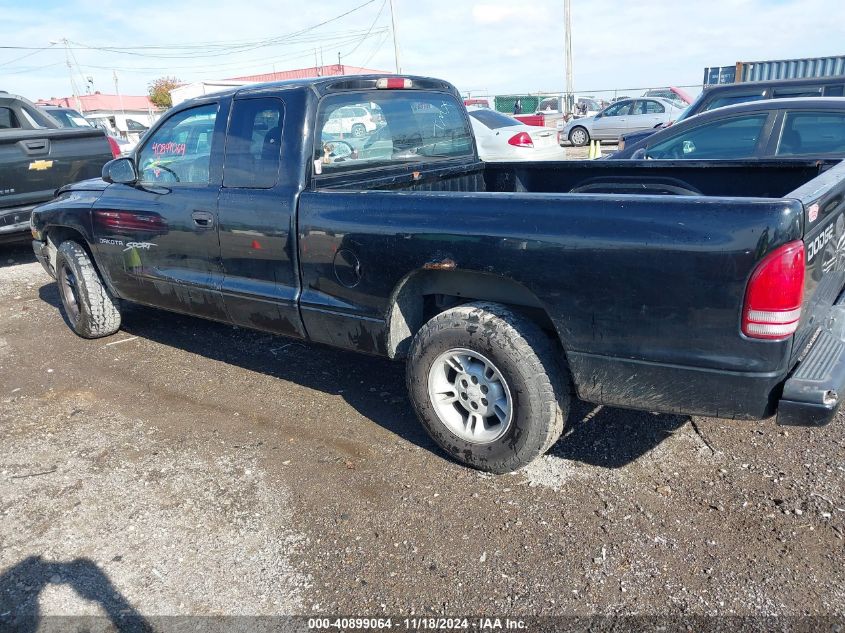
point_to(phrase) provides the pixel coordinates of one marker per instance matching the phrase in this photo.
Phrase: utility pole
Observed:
(339, 65)
(73, 87)
(120, 98)
(396, 38)
(567, 16)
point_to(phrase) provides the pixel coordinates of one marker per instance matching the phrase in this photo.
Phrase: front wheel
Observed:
(487, 386)
(358, 130)
(89, 309)
(579, 136)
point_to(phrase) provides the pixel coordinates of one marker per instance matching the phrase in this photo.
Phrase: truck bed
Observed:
(744, 179)
(641, 266)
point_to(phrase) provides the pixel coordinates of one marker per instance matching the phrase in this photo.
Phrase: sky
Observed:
(483, 47)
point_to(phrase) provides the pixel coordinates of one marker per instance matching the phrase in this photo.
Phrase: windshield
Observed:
(69, 118)
(492, 119)
(363, 130)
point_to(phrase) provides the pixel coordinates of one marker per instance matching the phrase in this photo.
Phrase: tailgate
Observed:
(34, 163)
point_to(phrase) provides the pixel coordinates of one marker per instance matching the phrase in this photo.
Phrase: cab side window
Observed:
(619, 109)
(254, 144)
(179, 152)
(653, 107)
(8, 120)
(726, 139)
(812, 133)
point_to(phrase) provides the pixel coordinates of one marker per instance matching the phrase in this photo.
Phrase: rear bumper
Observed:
(813, 392)
(14, 224)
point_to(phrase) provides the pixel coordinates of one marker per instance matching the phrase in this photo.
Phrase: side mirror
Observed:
(597, 115)
(121, 171)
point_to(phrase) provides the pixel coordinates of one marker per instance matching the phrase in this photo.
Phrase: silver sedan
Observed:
(622, 117)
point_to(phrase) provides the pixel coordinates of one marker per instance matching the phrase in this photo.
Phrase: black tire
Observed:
(527, 361)
(359, 130)
(89, 309)
(579, 140)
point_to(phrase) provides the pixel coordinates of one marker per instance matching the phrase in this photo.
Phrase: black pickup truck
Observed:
(37, 157)
(353, 211)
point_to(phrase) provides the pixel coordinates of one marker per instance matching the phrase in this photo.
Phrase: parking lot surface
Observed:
(189, 467)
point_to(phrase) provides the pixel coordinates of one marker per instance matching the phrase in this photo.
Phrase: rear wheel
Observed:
(487, 386)
(89, 309)
(579, 136)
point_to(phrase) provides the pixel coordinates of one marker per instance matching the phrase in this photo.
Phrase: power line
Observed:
(369, 30)
(378, 47)
(299, 54)
(35, 52)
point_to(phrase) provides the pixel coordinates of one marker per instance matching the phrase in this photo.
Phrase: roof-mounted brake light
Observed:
(393, 83)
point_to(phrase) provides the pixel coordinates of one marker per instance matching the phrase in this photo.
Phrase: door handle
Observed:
(203, 219)
(36, 146)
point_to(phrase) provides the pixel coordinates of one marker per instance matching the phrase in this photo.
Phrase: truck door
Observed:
(160, 234)
(257, 220)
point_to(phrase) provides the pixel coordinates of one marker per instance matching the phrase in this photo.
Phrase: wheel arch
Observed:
(55, 234)
(425, 293)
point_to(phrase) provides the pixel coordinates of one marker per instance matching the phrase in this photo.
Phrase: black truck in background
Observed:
(721, 95)
(354, 212)
(37, 156)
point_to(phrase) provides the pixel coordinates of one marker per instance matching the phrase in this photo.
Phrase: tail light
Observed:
(115, 148)
(775, 293)
(523, 139)
(117, 221)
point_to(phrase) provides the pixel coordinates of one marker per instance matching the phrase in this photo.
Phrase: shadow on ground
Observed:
(16, 254)
(22, 584)
(612, 438)
(375, 387)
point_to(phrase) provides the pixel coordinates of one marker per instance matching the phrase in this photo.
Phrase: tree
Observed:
(160, 91)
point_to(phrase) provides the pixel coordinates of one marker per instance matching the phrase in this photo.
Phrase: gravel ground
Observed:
(188, 467)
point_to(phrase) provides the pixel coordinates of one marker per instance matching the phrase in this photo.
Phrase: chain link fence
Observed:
(580, 102)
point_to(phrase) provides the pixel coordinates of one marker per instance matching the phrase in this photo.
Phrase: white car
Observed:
(354, 120)
(620, 118)
(500, 137)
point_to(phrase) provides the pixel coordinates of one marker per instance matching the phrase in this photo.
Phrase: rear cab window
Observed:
(364, 130)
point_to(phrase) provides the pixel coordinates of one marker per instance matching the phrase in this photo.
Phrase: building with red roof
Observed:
(314, 71)
(199, 88)
(126, 115)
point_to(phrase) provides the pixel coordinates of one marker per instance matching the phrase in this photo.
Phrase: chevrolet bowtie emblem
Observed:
(40, 165)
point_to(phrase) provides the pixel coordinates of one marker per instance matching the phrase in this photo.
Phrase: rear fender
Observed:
(407, 312)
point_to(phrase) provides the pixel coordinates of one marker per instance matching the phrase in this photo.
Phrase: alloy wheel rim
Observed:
(70, 291)
(470, 396)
